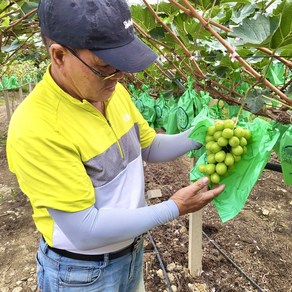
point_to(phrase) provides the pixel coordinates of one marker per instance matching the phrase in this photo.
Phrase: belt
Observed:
(100, 257)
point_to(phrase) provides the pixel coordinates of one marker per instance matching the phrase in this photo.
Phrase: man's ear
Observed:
(58, 54)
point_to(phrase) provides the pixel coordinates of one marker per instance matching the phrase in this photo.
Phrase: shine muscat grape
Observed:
(225, 145)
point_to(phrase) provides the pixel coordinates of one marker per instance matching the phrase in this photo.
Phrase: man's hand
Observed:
(195, 196)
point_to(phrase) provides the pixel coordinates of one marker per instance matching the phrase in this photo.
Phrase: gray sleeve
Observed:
(167, 147)
(93, 228)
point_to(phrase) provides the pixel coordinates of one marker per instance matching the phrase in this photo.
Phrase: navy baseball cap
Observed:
(103, 26)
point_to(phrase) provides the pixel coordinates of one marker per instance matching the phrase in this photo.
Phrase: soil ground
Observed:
(252, 252)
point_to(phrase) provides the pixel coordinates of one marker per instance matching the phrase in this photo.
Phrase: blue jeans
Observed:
(56, 273)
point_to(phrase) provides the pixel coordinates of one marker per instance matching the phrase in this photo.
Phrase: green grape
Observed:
(239, 132)
(215, 147)
(220, 156)
(229, 159)
(211, 158)
(225, 145)
(219, 125)
(229, 124)
(237, 158)
(247, 134)
(237, 150)
(215, 178)
(209, 138)
(217, 135)
(210, 168)
(242, 141)
(233, 141)
(221, 168)
(211, 130)
(209, 145)
(222, 142)
(227, 133)
(202, 168)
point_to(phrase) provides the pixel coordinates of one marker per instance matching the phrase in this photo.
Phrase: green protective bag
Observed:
(282, 128)
(134, 93)
(28, 78)
(170, 121)
(241, 179)
(185, 107)
(5, 82)
(233, 111)
(13, 82)
(286, 155)
(201, 100)
(145, 104)
(162, 112)
(216, 112)
(200, 122)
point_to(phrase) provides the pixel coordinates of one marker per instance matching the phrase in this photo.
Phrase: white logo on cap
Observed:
(128, 23)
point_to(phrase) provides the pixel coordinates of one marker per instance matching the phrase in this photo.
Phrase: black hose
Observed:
(169, 289)
(254, 284)
(273, 166)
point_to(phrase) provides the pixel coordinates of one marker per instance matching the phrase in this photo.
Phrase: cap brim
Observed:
(133, 57)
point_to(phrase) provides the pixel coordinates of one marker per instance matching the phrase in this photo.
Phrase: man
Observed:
(76, 145)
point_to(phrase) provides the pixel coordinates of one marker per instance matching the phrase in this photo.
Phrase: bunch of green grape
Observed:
(225, 145)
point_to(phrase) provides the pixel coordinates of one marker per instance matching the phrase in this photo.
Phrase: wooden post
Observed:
(6, 98)
(195, 243)
(20, 92)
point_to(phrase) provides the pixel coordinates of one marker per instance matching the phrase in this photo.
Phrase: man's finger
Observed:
(213, 193)
(200, 184)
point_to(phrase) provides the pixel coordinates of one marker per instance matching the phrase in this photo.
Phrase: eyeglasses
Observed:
(100, 75)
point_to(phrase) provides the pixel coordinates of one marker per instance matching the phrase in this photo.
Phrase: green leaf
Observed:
(28, 6)
(239, 15)
(286, 51)
(255, 100)
(157, 33)
(205, 4)
(283, 35)
(220, 15)
(256, 32)
(237, 2)
(143, 17)
(13, 46)
(3, 4)
(276, 74)
(5, 22)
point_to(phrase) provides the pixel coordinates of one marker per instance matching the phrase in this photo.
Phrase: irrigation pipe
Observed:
(274, 167)
(160, 261)
(254, 284)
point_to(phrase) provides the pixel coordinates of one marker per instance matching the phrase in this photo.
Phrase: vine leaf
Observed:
(13, 46)
(283, 35)
(256, 31)
(255, 100)
(157, 33)
(239, 15)
(28, 6)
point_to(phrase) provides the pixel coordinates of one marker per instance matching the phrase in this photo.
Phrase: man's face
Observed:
(79, 80)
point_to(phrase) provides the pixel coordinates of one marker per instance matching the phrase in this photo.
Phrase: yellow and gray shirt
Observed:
(69, 158)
